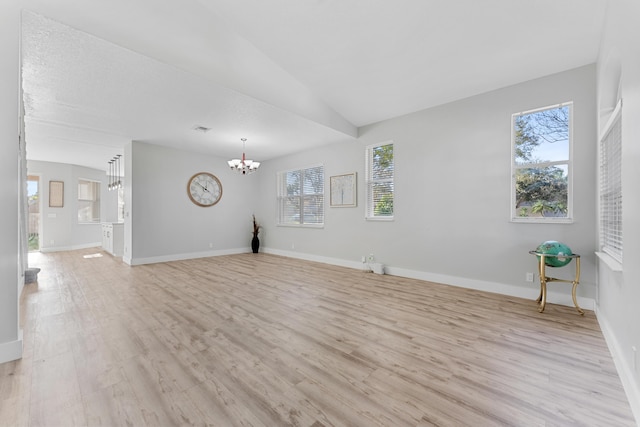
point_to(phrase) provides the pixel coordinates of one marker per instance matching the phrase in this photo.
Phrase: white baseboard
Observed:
(532, 292)
(625, 372)
(316, 258)
(180, 257)
(11, 350)
(71, 248)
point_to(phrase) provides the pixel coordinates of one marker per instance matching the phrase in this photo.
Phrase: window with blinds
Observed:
(301, 197)
(610, 191)
(379, 173)
(88, 201)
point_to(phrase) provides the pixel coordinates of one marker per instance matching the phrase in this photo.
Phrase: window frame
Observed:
(369, 181)
(514, 217)
(92, 202)
(281, 195)
(606, 235)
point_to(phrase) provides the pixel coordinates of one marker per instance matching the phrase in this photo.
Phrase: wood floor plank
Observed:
(113, 405)
(56, 396)
(262, 340)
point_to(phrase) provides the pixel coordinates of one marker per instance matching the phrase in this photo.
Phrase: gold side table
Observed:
(542, 299)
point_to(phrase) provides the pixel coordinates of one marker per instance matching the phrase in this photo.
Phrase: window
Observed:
(541, 165)
(610, 188)
(379, 181)
(33, 200)
(88, 201)
(301, 197)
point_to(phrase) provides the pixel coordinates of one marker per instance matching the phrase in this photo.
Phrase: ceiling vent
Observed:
(201, 129)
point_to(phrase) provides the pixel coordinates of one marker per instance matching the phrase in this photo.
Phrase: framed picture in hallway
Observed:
(56, 194)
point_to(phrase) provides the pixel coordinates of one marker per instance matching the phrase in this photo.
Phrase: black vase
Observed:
(255, 244)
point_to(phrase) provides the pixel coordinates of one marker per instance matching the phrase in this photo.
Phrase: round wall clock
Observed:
(204, 189)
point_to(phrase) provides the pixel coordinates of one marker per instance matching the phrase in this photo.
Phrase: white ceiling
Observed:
(285, 74)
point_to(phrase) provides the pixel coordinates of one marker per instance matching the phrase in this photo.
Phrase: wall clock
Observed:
(204, 189)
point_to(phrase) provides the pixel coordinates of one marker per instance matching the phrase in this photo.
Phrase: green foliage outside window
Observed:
(541, 156)
(301, 196)
(385, 206)
(380, 187)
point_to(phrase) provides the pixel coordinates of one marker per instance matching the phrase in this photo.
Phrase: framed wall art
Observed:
(343, 191)
(56, 194)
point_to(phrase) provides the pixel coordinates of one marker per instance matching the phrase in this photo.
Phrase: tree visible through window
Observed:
(301, 196)
(542, 164)
(379, 181)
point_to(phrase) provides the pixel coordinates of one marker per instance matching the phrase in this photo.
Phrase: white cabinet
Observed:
(113, 237)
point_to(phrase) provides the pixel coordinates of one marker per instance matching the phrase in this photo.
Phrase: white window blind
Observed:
(88, 201)
(379, 174)
(301, 196)
(610, 190)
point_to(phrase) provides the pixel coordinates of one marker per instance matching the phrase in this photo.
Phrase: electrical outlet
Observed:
(529, 277)
(364, 259)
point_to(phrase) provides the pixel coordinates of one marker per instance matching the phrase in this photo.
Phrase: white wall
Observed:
(161, 222)
(60, 227)
(453, 194)
(10, 277)
(619, 293)
(109, 213)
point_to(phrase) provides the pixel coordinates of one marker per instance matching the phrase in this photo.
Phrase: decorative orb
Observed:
(552, 247)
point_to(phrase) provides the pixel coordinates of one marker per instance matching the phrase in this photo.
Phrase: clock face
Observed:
(204, 189)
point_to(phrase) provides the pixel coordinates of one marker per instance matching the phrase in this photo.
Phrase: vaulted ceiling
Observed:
(287, 75)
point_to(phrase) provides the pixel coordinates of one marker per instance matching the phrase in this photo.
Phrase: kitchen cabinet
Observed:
(113, 238)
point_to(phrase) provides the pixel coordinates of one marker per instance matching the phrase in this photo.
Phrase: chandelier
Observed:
(114, 173)
(243, 166)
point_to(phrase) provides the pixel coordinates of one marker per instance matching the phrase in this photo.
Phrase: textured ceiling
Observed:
(286, 74)
(85, 98)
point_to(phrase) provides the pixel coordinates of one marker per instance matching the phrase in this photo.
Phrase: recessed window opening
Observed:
(379, 181)
(301, 197)
(541, 187)
(88, 201)
(610, 186)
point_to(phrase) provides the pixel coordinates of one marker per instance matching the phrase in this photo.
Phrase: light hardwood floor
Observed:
(262, 340)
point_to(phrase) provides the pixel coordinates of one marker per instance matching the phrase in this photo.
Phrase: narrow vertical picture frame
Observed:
(56, 194)
(343, 191)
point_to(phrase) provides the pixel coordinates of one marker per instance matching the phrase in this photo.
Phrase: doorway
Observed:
(33, 199)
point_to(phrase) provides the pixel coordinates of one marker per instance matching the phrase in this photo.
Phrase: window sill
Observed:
(610, 262)
(379, 218)
(301, 225)
(547, 220)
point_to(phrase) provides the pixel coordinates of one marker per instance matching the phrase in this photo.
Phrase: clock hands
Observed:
(203, 187)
